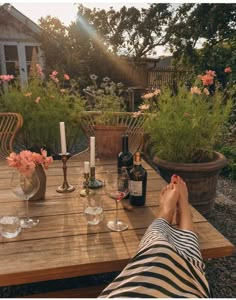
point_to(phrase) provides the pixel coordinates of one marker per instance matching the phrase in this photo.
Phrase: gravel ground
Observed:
(221, 272)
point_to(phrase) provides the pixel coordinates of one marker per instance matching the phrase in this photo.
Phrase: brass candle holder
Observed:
(86, 191)
(65, 187)
(93, 182)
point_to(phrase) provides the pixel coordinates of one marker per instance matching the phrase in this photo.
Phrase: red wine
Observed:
(138, 182)
(125, 158)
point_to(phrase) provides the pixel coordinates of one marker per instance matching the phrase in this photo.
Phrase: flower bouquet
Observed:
(27, 162)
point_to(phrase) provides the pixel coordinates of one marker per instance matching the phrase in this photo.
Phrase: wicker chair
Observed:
(134, 127)
(10, 123)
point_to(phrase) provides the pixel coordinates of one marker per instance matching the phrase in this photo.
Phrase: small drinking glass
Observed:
(93, 210)
(10, 224)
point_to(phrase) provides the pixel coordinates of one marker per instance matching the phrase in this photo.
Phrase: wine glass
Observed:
(117, 188)
(25, 187)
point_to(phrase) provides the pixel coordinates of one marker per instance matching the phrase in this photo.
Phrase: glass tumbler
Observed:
(10, 225)
(93, 210)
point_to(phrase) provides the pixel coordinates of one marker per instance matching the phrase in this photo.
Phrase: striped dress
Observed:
(168, 264)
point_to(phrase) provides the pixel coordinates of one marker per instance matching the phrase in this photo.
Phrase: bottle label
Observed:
(136, 188)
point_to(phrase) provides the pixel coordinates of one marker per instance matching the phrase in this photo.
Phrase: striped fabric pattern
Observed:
(168, 264)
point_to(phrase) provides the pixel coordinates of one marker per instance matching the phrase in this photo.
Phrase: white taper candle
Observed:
(92, 151)
(63, 138)
(86, 167)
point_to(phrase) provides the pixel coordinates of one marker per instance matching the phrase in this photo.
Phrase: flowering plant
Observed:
(108, 97)
(26, 161)
(185, 127)
(43, 103)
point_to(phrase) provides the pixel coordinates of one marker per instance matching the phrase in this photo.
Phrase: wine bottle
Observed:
(138, 182)
(125, 158)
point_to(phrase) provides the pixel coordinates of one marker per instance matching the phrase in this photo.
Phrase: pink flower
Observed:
(47, 162)
(53, 76)
(211, 73)
(38, 159)
(136, 114)
(228, 70)
(62, 91)
(55, 79)
(54, 73)
(26, 154)
(66, 77)
(206, 91)
(43, 153)
(207, 79)
(144, 106)
(13, 160)
(27, 94)
(6, 78)
(26, 167)
(195, 90)
(37, 99)
(157, 92)
(148, 96)
(39, 70)
(186, 114)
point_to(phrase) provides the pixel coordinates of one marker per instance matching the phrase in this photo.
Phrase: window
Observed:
(12, 60)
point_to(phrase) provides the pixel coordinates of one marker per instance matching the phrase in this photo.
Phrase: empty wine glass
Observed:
(117, 188)
(25, 187)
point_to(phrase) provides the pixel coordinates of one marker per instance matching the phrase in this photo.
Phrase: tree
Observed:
(54, 43)
(129, 31)
(211, 25)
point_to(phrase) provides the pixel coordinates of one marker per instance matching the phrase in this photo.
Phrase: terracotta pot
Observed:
(40, 195)
(201, 179)
(108, 140)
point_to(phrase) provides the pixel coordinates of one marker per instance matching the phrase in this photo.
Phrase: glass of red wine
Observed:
(117, 188)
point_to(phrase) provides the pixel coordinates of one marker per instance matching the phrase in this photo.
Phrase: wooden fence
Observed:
(136, 74)
(166, 76)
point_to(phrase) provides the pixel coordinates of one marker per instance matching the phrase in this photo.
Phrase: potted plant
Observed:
(106, 101)
(183, 130)
(43, 103)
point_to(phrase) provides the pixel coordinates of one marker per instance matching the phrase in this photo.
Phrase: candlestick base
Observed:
(67, 189)
(95, 183)
(86, 192)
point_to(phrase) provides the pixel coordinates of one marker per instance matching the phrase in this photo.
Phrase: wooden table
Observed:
(62, 245)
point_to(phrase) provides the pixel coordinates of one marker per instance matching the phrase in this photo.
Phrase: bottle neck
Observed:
(125, 144)
(137, 159)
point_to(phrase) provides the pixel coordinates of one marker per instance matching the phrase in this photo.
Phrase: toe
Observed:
(174, 178)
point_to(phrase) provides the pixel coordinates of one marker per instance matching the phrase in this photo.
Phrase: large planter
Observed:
(201, 179)
(40, 194)
(108, 140)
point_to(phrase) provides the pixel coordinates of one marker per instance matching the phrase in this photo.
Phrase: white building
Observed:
(19, 43)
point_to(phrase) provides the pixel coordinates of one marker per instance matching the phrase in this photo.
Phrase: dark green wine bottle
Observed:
(125, 158)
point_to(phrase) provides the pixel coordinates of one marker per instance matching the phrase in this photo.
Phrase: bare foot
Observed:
(168, 200)
(184, 211)
(175, 219)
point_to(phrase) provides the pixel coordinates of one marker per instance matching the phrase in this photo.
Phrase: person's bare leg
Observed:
(184, 211)
(168, 201)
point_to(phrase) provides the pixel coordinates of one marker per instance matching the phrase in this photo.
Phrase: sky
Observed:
(66, 11)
